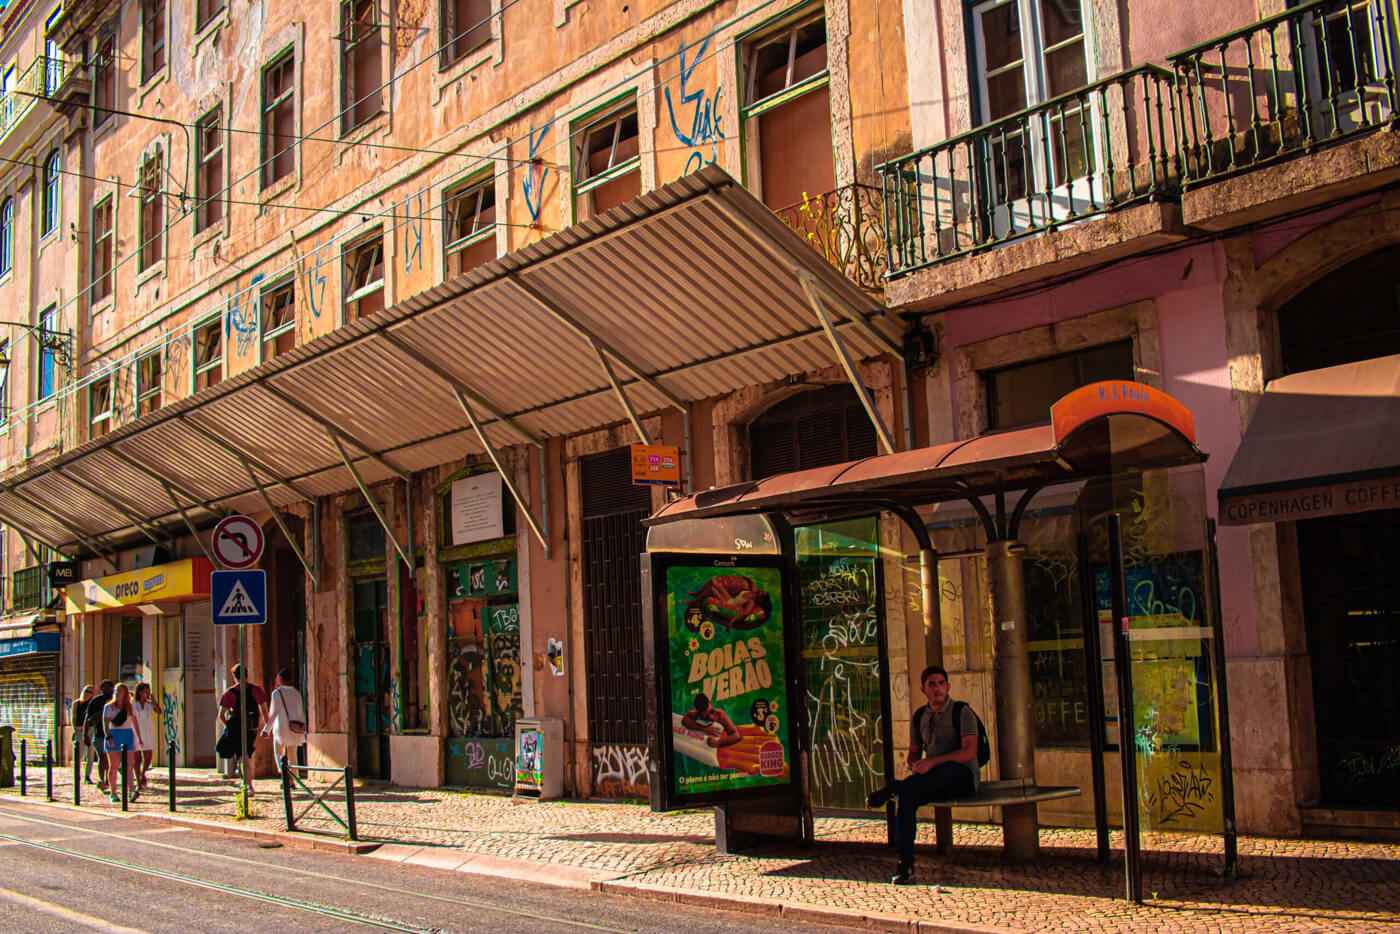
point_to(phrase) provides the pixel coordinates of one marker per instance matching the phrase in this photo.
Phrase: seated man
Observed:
(943, 759)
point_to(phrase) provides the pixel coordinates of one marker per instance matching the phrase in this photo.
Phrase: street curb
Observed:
(453, 859)
(792, 911)
(282, 837)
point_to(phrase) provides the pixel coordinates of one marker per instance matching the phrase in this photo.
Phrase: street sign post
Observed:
(239, 598)
(238, 542)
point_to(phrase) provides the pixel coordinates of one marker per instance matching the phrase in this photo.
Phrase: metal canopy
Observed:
(692, 290)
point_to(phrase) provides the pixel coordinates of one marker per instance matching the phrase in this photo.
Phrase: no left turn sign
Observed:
(238, 542)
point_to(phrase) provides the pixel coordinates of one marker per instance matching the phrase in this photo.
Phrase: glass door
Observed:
(370, 657)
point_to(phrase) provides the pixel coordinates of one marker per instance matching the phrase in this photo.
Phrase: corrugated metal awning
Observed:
(692, 290)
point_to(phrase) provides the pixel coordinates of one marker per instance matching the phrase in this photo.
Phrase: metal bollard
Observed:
(23, 773)
(170, 764)
(48, 770)
(350, 803)
(77, 770)
(124, 778)
(287, 791)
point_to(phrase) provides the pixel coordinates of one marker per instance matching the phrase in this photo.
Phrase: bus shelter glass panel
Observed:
(1171, 627)
(838, 570)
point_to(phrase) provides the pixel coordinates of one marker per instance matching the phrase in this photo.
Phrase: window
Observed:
(104, 81)
(48, 337)
(1348, 315)
(607, 162)
(99, 397)
(816, 428)
(466, 25)
(4, 382)
(102, 247)
(208, 354)
(7, 98)
(1022, 394)
(149, 370)
(207, 10)
(7, 236)
(278, 120)
(152, 38)
(53, 56)
(48, 213)
(469, 216)
(361, 70)
(152, 212)
(787, 113)
(279, 320)
(209, 182)
(364, 278)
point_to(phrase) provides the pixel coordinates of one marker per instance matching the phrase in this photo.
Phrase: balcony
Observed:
(847, 227)
(1313, 78)
(1103, 147)
(19, 116)
(32, 591)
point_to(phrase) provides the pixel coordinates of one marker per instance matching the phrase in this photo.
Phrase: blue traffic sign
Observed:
(238, 597)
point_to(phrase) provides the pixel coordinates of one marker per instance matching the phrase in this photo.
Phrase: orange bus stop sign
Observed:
(656, 464)
(1119, 397)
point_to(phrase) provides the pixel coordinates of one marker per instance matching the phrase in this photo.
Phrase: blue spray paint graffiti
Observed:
(315, 282)
(243, 317)
(170, 717)
(413, 232)
(705, 117)
(533, 186)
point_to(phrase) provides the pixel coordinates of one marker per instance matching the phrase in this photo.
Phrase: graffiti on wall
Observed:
(27, 704)
(243, 316)
(699, 109)
(480, 762)
(172, 713)
(503, 640)
(535, 173)
(620, 772)
(316, 281)
(415, 209)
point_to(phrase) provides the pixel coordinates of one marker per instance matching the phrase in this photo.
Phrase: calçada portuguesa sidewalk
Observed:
(1282, 885)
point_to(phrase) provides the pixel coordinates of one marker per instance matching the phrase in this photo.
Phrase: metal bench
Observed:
(1008, 793)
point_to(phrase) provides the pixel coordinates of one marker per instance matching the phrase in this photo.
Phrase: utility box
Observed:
(539, 758)
(7, 757)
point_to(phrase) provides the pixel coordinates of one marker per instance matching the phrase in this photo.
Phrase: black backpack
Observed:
(984, 748)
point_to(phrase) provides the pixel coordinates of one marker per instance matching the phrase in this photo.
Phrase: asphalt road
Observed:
(67, 871)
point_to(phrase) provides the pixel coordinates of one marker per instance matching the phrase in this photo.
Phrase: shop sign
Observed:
(179, 580)
(30, 645)
(726, 717)
(1119, 397)
(62, 573)
(656, 464)
(1337, 499)
(476, 509)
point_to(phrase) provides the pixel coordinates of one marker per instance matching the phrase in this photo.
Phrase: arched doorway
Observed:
(1349, 565)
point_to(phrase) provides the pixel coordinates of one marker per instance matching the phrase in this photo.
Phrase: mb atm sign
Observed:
(238, 597)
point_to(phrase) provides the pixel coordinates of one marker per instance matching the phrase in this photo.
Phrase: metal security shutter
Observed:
(613, 540)
(28, 686)
(812, 429)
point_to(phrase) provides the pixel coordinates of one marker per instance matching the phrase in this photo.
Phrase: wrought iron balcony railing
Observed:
(1103, 146)
(1314, 74)
(32, 590)
(847, 227)
(40, 81)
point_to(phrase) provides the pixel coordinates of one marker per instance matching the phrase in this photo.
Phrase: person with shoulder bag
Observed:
(123, 739)
(287, 716)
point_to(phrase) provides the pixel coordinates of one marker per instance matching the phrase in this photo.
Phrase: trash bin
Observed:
(7, 757)
(539, 758)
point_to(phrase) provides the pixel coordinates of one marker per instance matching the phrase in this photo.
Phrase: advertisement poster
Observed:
(730, 728)
(529, 770)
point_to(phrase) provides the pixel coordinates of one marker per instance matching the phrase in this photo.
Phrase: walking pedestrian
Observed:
(97, 729)
(78, 720)
(144, 710)
(123, 735)
(287, 720)
(231, 715)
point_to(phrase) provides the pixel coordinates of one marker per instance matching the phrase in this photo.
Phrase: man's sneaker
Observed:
(135, 793)
(903, 874)
(879, 797)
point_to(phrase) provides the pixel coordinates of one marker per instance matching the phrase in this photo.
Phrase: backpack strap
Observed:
(958, 708)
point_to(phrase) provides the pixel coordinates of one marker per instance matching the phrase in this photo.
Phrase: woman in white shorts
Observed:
(122, 732)
(144, 710)
(286, 716)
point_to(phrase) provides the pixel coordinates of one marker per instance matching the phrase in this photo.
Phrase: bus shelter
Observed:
(724, 617)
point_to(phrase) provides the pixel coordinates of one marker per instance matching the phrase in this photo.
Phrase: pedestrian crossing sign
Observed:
(238, 597)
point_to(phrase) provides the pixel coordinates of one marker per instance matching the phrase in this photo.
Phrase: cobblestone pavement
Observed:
(1282, 885)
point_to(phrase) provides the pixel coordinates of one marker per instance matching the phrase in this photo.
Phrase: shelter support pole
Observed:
(1127, 732)
(928, 583)
(506, 478)
(281, 524)
(809, 285)
(364, 491)
(1012, 687)
(194, 533)
(627, 406)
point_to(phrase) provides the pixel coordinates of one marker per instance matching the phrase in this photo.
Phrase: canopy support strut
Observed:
(25, 530)
(141, 524)
(179, 507)
(281, 524)
(335, 431)
(364, 491)
(621, 394)
(165, 481)
(58, 520)
(811, 287)
(240, 456)
(505, 477)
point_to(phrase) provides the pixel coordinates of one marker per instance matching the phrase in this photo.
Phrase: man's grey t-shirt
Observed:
(939, 736)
